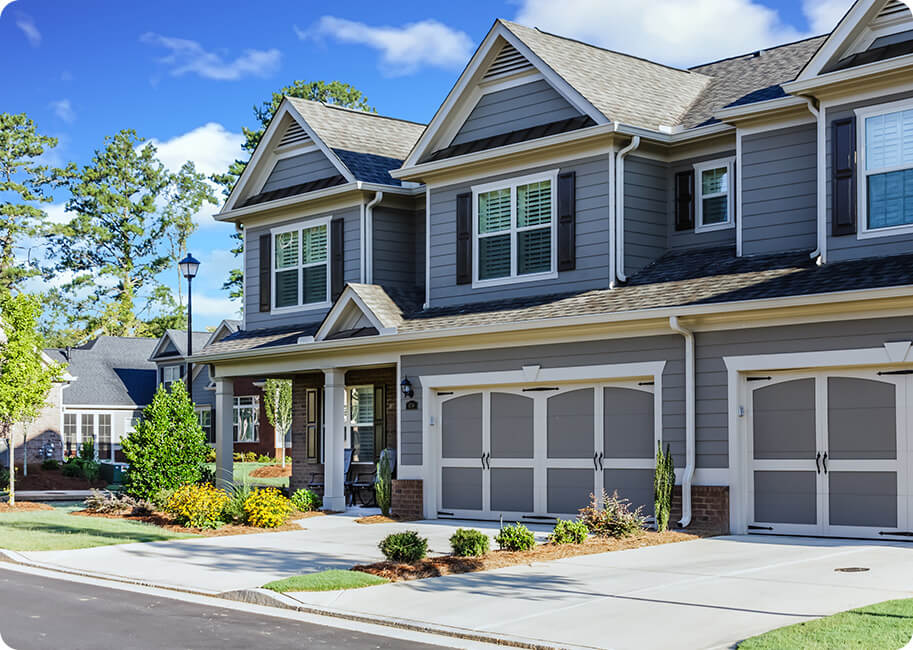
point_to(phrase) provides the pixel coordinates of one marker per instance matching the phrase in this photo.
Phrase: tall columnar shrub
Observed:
(383, 484)
(663, 482)
(168, 448)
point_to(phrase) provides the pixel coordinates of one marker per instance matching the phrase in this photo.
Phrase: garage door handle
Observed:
(817, 462)
(483, 461)
(595, 466)
(600, 460)
(824, 462)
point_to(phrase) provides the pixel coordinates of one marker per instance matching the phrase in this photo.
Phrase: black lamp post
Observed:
(189, 266)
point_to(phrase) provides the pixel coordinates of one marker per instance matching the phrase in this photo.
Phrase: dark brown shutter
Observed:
(684, 200)
(843, 170)
(266, 271)
(464, 238)
(312, 424)
(337, 247)
(380, 420)
(567, 221)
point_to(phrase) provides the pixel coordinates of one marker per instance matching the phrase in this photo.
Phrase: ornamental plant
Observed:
(663, 482)
(168, 447)
(197, 504)
(267, 508)
(515, 537)
(306, 500)
(569, 532)
(611, 516)
(407, 546)
(469, 542)
(383, 484)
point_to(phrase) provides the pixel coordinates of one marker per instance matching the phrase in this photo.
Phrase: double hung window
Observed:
(713, 202)
(886, 180)
(301, 272)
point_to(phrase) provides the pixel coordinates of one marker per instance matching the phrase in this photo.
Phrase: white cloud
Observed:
(64, 110)
(27, 25)
(211, 307)
(403, 49)
(57, 213)
(678, 32)
(190, 57)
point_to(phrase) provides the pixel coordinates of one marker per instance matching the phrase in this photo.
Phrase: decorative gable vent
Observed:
(508, 61)
(294, 135)
(893, 9)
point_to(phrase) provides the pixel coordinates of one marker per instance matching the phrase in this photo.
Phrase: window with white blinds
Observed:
(887, 180)
(301, 271)
(515, 230)
(713, 203)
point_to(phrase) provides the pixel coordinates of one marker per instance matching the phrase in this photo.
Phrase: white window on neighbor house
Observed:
(714, 209)
(204, 417)
(359, 422)
(514, 226)
(246, 419)
(301, 271)
(170, 374)
(885, 163)
(70, 435)
(104, 443)
(87, 429)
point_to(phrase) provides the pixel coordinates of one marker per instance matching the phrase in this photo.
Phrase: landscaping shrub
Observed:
(263, 458)
(663, 482)
(90, 470)
(515, 537)
(50, 464)
(107, 502)
(383, 485)
(469, 542)
(168, 448)
(305, 500)
(80, 467)
(238, 457)
(267, 508)
(211, 455)
(199, 505)
(569, 532)
(233, 512)
(614, 519)
(87, 449)
(250, 457)
(407, 546)
(4, 478)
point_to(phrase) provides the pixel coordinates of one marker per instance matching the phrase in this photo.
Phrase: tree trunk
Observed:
(11, 445)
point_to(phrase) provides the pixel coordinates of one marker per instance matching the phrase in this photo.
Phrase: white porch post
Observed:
(334, 440)
(224, 436)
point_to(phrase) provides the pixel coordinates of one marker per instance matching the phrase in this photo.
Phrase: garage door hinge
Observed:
(539, 388)
(646, 383)
(760, 527)
(757, 379)
(447, 393)
(896, 372)
(441, 513)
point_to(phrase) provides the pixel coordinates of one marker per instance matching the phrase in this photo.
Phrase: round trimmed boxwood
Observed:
(569, 532)
(469, 542)
(515, 537)
(407, 546)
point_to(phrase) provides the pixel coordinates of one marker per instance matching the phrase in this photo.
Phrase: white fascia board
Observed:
(158, 347)
(851, 74)
(841, 35)
(757, 108)
(834, 297)
(349, 296)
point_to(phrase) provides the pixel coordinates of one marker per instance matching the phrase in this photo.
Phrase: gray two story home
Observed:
(586, 254)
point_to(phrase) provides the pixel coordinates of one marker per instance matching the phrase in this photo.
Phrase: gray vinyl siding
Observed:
(592, 239)
(202, 396)
(688, 238)
(779, 190)
(257, 319)
(668, 348)
(395, 246)
(848, 246)
(646, 211)
(303, 168)
(514, 108)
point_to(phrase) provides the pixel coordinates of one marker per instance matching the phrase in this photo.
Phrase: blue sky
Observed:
(186, 74)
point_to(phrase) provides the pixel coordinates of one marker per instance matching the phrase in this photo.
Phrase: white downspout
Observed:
(369, 237)
(688, 474)
(612, 191)
(620, 208)
(818, 254)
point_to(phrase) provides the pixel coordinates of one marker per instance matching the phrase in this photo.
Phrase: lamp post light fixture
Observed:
(189, 267)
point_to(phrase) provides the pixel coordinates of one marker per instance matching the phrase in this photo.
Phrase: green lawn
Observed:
(883, 626)
(326, 581)
(242, 472)
(57, 530)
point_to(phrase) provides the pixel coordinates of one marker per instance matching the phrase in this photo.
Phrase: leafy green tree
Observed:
(25, 376)
(168, 447)
(24, 182)
(278, 395)
(334, 92)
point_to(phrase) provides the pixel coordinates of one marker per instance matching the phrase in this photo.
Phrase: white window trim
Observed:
(862, 200)
(299, 226)
(205, 408)
(176, 368)
(699, 197)
(512, 184)
(236, 406)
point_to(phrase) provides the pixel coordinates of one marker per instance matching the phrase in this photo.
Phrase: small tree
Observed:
(383, 484)
(168, 447)
(663, 482)
(25, 374)
(278, 394)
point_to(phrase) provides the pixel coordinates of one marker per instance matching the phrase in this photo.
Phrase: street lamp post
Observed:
(189, 266)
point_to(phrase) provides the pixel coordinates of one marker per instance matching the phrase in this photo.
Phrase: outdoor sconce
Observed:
(406, 387)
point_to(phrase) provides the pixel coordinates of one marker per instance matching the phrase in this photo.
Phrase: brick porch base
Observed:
(709, 506)
(407, 498)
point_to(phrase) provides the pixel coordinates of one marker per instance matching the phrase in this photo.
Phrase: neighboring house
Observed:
(111, 381)
(251, 430)
(585, 254)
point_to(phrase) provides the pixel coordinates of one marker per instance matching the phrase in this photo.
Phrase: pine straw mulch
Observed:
(451, 565)
(53, 479)
(272, 471)
(168, 522)
(381, 519)
(24, 506)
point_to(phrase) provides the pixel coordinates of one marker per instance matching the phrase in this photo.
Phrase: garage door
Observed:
(828, 454)
(539, 452)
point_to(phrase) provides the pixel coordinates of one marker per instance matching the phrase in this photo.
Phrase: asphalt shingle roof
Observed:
(179, 338)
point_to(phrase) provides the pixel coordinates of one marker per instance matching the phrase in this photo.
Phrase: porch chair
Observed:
(317, 483)
(364, 484)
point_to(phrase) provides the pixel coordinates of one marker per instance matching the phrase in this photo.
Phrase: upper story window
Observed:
(713, 200)
(514, 226)
(170, 374)
(886, 161)
(301, 273)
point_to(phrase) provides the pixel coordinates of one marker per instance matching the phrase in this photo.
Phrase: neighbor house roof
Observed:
(109, 371)
(178, 338)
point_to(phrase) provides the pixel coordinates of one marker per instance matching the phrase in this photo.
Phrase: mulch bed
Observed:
(380, 519)
(168, 522)
(24, 506)
(272, 471)
(450, 565)
(53, 479)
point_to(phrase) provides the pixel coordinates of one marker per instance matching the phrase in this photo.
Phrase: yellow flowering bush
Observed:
(198, 505)
(267, 508)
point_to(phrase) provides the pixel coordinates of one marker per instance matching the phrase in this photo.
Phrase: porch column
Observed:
(334, 440)
(225, 394)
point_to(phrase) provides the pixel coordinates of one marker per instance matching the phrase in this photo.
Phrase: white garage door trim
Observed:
(528, 375)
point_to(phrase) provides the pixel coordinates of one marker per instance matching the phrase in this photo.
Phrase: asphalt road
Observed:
(39, 612)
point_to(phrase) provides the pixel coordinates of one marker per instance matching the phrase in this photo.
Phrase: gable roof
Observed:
(110, 371)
